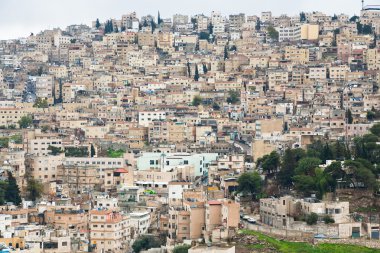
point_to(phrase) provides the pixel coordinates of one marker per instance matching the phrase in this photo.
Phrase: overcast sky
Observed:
(20, 17)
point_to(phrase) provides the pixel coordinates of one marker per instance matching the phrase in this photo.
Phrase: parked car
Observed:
(252, 220)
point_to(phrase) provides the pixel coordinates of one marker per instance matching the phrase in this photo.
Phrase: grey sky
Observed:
(20, 17)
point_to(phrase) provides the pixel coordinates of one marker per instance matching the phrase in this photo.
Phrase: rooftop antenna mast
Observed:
(362, 4)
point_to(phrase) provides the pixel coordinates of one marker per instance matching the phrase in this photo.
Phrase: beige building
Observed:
(277, 79)
(296, 54)
(280, 213)
(309, 31)
(10, 116)
(109, 231)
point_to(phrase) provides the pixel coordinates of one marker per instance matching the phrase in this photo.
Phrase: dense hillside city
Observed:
(187, 134)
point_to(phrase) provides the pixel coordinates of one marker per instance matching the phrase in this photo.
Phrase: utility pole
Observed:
(362, 4)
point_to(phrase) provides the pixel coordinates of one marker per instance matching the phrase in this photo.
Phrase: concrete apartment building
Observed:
(236, 21)
(147, 117)
(280, 213)
(39, 142)
(109, 231)
(140, 222)
(289, 33)
(168, 161)
(11, 116)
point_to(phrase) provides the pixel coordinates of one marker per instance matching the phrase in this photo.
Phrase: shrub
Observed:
(312, 219)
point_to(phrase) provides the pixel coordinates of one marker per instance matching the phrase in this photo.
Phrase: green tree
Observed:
(40, 71)
(145, 242)
(25, 121)
(159, 20)
(3, 189)
(289, 162)
(327, 153)
(181, 249)
(92, 151)
(349, 116)
(366, 147)
(34, 189)
(322, 181)
(354, 18)
(233, 48)
(370, 115)
(76, 152)
(335, 17)
(269, 163)
(12, 193)
(197, 100)
(339, 150)
(302, 17)
(312, 219)
(304, 184)
(358, 173)
(210, 28)
(225, 53)
(334, 172)
(205, 70)
(41, 103)
(108, 27)
(307, 165)
(233, 97)
(367, 29)
(4, 142)
(188, 69)
(250, 183)
(328, 220)
(258, 25)
(273, 33)
(375, 129)
(97, 24)
(196, 74)
(215, 106)
(54, 150)
(204, 35)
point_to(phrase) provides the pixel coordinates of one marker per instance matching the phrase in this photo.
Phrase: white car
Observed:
(252, 220)
(246, 217)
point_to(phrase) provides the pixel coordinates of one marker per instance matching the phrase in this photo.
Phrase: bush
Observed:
(328, 220)
(76, 152)
(115, 153)
(145, 242)
(25, 121)
(197, 100)
(181, 249)
(312, 219)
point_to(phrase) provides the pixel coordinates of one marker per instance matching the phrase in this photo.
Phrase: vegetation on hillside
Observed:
(303, 247)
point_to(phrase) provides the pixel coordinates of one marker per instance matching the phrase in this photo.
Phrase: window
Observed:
(151, 162)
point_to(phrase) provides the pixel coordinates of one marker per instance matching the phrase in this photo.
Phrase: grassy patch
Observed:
(302, 247)
(115, 153)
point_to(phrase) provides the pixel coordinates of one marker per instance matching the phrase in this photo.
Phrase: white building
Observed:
(291, 33)
(140, 221)
(147, 117)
